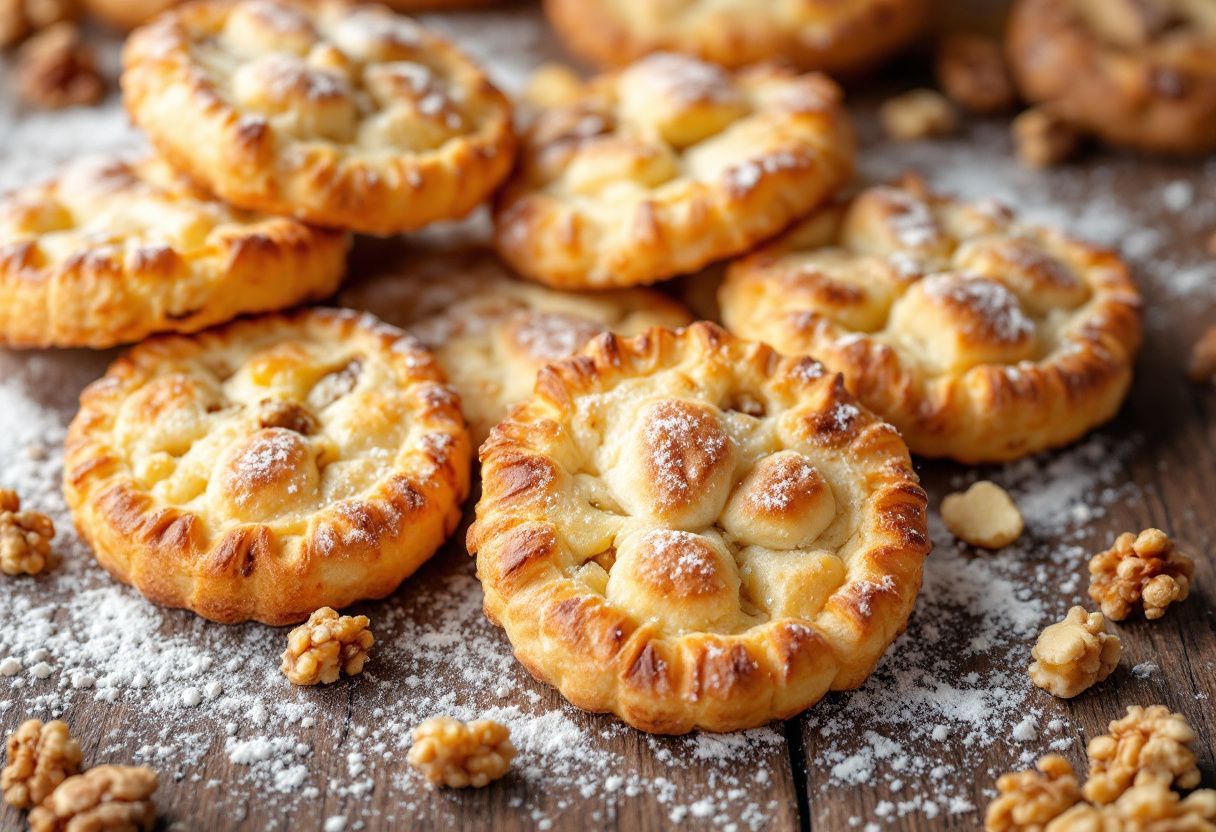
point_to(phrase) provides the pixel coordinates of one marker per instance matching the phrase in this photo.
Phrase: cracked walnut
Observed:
(1073, 655)
(325, 646)
(40, 757)
(103, 798)
(1152, 807)
(1029, 800)
(1144, 569)
(25, 537)
(1148, 745)
(450, 753)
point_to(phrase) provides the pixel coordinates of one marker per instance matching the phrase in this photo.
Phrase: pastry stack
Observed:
(678, 524)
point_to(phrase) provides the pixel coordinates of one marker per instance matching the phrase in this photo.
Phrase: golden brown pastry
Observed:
(837, 37)
(1140, 73)
(127, 14)
(666, 166)
(980, 338)
(269, 467)
(492, 332)
(111, 251)
(691, 531)
(342, 115)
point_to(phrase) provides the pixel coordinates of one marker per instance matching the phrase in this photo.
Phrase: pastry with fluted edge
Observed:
(110, 251)
(493, 332)
(342, 115)
(666, 166)
(1138, 73)
(691, 531)
(981, 338)
(848, 37)
(269, 467)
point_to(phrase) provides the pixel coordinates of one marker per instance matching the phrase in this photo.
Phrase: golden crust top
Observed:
(980, 338)
(191, 488)
(111, 251)
(343, 115)
(492, 332)
(692, 531)
(667, 165)
(833, 37)
(1136, 72)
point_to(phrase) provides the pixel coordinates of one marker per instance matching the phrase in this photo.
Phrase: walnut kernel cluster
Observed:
(450, 753)
(25, 537)
(325, 646)
(103, 798)
(56, 68)
(1148, 745)
(40, 757)
(1075, 654)
(1029, 800)
(1143, 570)
(971, 70)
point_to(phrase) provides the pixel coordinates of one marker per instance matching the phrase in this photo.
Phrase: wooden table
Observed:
(257, 754)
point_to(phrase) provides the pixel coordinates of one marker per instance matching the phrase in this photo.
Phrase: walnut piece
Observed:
(1140, 570)
(325, 646)
(1153, 807)
(1202, 366)
(25, 537)
(1148, 745)
(40, 757)
(20, 18)
(919, 114)
(450, 753)
(273, 413)
(1073, 655)
(1028, 800)
(57, 69)
(972, 72)
(1043, 139)
(983, 515)
(102, 799)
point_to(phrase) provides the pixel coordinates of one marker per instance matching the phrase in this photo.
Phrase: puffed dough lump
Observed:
(1075, 654)
(110, 251)
(983, 515)
(342, 115)
(269, 468)
(690, 530)
(665, 166)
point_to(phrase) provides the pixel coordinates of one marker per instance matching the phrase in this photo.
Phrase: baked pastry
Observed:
(341, 115)
(691, 531)
(979, 337)
(269, 467)
(492, 332)
(1140, 73)
(834, 37)
(111, 251)
(666, 166)
(127, 14)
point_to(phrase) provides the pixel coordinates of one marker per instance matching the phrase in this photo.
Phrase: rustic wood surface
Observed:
(1167, 479)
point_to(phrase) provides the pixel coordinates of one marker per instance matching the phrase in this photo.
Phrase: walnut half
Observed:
(56, 69)
(972, 72)
(103, 798)
(1140, 570)
(325, 646)
(25, 537)
(1153, 807)
(1029, 800)
(40, 757)
(1148, 745)
(1074, 654)
(450, 753)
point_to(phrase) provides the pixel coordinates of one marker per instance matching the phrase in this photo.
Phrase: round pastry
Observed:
(342, 115)
(667, 165)
(127, 14)
(980, 338)
(837, 37)
(1140, 73)
(492, 332)
(269, 467)
(111, 251)
(691, 531)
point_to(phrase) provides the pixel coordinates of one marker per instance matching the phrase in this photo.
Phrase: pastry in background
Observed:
(1140, 73)
(127, 14)
(269, 467)
(837, 37)
(110, 251)
(981, 338)
(666, 166)
(344, 116)
(691, 531)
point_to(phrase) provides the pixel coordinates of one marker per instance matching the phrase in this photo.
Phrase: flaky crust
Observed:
(341, 115)
(691, 531)
(666, 166)
(1140, 74)
(111, 251)
(269, 467)
(980, 338)
(832, 37)
(492, 332)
